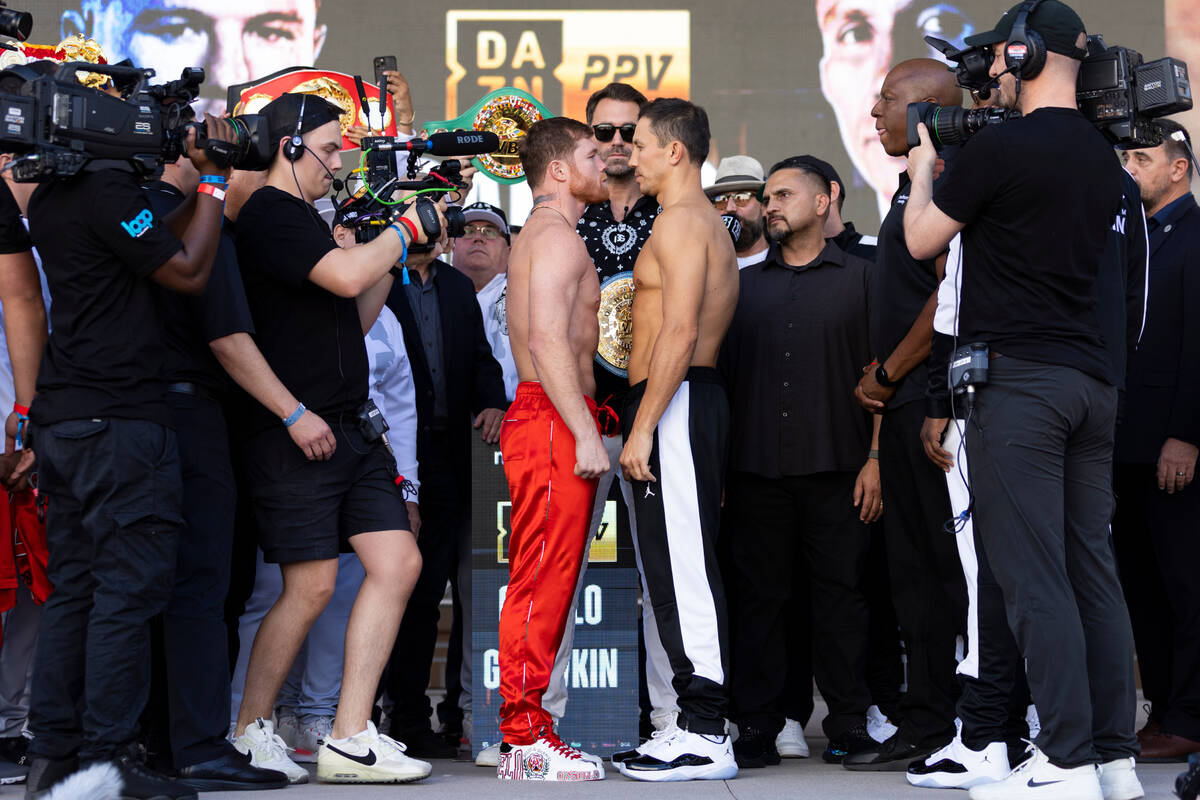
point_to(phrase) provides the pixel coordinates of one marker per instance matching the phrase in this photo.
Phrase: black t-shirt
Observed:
(614, 248)
(902, 288)
(99, 241)
(312, 338)
(856, 244)
(13, 236)
(192, 321)
(1037, 195)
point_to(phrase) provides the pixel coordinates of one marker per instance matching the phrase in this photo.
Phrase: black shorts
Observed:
(308, 510)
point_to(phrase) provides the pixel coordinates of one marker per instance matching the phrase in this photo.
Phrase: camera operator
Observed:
(312, 302)
(108, 459)
(1154, 530)
(195, 640)
(1034, 199)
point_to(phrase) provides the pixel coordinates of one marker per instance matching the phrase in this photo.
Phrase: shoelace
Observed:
(399, 747)
(275, 745)
(561, 747)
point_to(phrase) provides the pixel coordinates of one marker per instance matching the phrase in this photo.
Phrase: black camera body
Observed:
(1117, 92)
(59, 127)
(369, 212)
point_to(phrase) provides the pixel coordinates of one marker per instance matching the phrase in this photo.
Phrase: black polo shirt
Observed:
(99, 241)
(192, 321)
(792, 357)
(902, 288)
(312, 338)
(615, 247)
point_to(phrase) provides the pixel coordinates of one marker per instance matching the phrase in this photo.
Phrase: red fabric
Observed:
(551, 512)
(29, 544)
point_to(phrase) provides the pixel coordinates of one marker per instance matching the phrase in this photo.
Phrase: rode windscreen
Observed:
(456, 143)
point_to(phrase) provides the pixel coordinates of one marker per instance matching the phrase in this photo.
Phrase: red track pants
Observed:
(551, 511)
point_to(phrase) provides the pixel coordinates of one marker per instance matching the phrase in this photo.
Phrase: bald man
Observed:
(927, 580)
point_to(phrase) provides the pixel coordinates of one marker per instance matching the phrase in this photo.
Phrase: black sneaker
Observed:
(755, 748)
(425, 744)
(45, 773)
(143, 783)
(855, 741)
(894, 755)
(1187, 784)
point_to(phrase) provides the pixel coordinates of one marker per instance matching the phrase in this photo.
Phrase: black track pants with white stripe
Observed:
(678, 517)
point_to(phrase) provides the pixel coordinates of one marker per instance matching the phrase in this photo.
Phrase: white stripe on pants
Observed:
(658, 667)
(964, 537)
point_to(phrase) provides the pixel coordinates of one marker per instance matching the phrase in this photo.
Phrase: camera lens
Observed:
(16, 24)
(456, 222)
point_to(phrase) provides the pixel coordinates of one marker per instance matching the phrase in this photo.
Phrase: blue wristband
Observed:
(403, 241)
(296, 415)
(215, 179)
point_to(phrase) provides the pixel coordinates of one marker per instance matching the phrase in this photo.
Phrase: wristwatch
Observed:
(881, 377)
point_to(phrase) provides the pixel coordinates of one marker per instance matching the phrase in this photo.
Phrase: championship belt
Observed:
(338, 88)
(508, 113)
(616, 323)
(72, 48)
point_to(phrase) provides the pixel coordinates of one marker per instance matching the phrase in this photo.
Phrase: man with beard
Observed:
(551, 437)
(797, 475)
(676, 435)
(737, 190)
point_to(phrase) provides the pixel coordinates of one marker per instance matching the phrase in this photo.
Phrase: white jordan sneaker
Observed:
(368, 757)
(683, 756)
(489, 757)
(957, 766)
(791, 742)
(1037, 778)
(547, 759)
(1119, 781)
(643, 748)
(268, 751)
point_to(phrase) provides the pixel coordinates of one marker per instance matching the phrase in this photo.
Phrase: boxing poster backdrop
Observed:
(602, 674)
(777, 77)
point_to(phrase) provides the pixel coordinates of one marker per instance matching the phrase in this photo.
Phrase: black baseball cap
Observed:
(824, 168)
(1055, 21)
(283, 112)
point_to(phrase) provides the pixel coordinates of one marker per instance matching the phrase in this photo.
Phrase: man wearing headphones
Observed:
(312, 302)
(1039, 431)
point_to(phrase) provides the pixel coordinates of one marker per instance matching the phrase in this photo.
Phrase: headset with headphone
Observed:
(1025, 52)
(294, 148)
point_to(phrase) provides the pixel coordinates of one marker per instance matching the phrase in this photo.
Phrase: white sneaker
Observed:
(489, 757)
(878, 726)
(645, 747)
(309, 736)
(368, 757)
(547, 759)
(683, 756)
(1118, 781)
(287, 728)
(268, 751)
(790, 742)
(957, 766)
(1036, 777)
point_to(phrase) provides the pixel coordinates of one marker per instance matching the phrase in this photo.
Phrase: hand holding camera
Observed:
(207, 156)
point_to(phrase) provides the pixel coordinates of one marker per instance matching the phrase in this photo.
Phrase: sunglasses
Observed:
(739, 199)
(604, 131)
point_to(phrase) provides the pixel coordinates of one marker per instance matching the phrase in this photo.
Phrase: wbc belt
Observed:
(616, 323)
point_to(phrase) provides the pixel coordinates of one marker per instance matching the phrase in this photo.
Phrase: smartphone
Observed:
(382, 64)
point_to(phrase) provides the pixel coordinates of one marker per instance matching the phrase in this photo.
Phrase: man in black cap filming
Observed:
(1034, 199)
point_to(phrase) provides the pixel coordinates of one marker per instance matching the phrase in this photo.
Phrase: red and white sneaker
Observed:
(547, 759)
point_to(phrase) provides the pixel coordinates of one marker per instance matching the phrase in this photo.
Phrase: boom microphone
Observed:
(455, 143)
